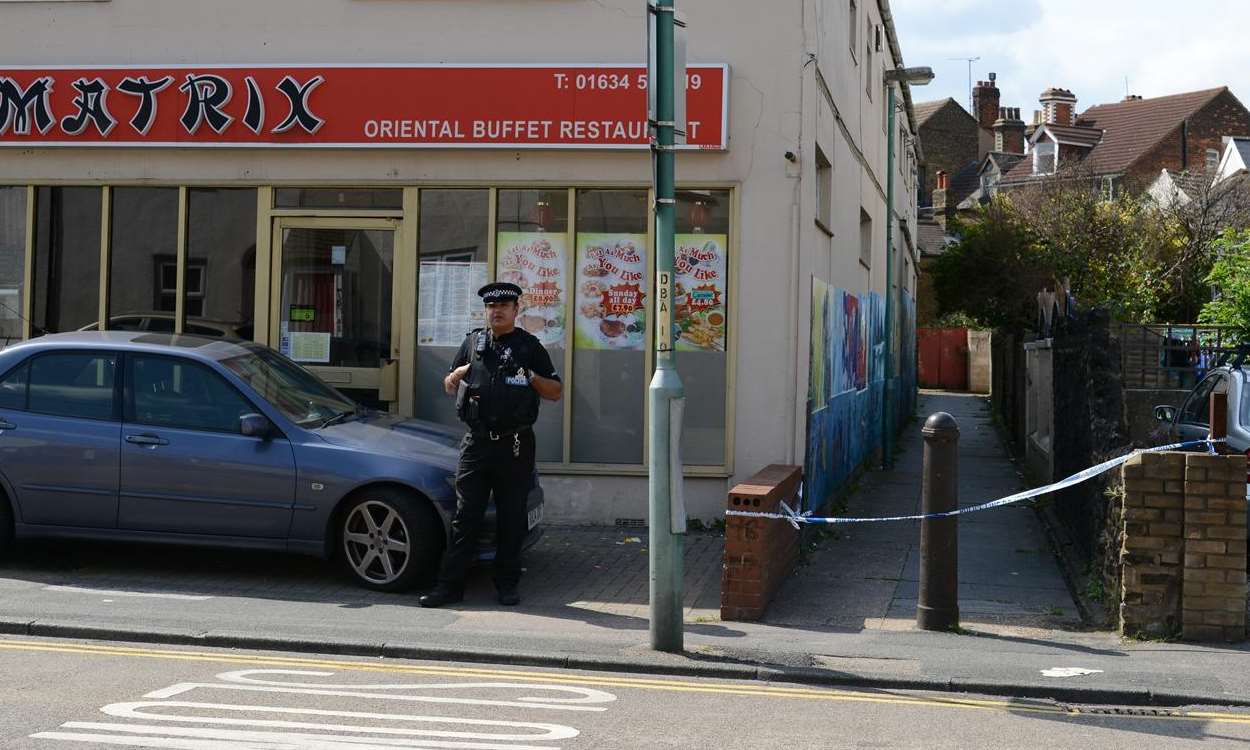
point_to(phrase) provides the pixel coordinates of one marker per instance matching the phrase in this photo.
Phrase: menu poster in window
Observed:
(448, 305)
(699, 297)
(535, 262)
(611, 296)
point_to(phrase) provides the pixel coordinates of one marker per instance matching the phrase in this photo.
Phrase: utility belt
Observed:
(495, 435)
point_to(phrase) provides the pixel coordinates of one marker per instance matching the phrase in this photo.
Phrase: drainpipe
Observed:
(887, 432)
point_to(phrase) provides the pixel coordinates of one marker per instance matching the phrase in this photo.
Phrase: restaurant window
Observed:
(67, 259)
(608, 382)
(453, 245)
(220, 286)
(143, 255)
(532, 251)
(701, 299)
(353, 198)
(12, 261)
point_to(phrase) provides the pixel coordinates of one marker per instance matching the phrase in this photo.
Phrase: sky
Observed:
(1087, 46)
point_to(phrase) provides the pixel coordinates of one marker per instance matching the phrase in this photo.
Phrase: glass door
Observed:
(335, 296)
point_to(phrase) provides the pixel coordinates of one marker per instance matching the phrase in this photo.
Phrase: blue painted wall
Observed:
(846, 384)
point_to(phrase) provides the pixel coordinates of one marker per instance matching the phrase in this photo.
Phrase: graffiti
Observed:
(847, 384)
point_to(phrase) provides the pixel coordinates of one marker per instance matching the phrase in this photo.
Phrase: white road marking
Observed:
(134, 710)
(147, 723)
(186, 687)
(140, 594)
(302, 740)
(250, 677)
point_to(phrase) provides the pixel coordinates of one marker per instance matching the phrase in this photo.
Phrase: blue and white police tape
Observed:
(794, 518)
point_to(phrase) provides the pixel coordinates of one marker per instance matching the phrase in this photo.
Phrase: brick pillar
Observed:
(759, 552)
(1151, 580)
(1214, 603)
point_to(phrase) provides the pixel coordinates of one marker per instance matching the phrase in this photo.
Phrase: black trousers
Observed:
(490, 466)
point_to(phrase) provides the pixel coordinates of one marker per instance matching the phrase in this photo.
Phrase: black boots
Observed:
(440, 596)
(507, 594)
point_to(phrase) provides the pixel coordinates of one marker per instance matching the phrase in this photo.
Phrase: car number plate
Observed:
(535, 516)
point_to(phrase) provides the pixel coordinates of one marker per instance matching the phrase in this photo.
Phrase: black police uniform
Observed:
(499, 406)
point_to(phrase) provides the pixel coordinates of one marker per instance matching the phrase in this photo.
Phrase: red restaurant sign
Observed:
(399, 106)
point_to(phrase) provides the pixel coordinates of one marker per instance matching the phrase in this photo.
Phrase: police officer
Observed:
(497, 377)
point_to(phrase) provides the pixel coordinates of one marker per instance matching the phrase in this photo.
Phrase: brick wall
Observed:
(759, 552)
(951, 139)
(1214, 604)
(1224, 115)
(1184, 549)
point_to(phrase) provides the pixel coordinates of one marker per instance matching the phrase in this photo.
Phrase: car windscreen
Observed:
(294, 391)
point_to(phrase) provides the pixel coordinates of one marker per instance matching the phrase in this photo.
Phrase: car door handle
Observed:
(149, 440)
(6, 425)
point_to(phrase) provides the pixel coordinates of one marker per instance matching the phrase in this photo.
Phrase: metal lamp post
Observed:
(917, 77)
(665, 397)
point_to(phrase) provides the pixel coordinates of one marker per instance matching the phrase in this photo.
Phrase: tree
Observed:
(1230, 275)
(1143, 260)
(994, 273)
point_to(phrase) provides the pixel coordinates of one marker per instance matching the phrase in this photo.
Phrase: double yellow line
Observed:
(590, 680)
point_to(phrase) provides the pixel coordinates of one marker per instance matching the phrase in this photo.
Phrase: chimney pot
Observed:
(985, 101)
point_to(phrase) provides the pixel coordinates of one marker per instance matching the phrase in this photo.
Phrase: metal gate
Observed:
(944, 358)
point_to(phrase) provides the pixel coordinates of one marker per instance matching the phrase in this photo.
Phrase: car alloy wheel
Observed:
(377, 542)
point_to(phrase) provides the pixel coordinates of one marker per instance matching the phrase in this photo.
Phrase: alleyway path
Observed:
(866, 577)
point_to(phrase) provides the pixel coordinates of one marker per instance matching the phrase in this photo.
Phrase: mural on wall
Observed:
(846, 384)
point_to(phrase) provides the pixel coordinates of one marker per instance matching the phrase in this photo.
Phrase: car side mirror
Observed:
(255, 425)
(1165, 413)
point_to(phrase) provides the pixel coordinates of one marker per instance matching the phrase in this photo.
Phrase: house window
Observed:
(1108, 188)
(1213, 159)
(853, 25)
(865, 238)
(869, 73)
(1044, 157)
(824, 192)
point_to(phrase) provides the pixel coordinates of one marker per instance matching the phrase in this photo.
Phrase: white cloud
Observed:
(1088, 46)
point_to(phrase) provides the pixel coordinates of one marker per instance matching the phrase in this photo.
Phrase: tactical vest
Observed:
(501, 406)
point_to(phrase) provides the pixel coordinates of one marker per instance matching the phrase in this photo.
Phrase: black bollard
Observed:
(938, 607)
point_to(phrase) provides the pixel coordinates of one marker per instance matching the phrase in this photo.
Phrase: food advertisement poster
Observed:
(535, 262)
(448, 305)
(699, 296)
(611, 291)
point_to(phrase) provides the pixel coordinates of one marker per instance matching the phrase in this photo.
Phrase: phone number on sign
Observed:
(615, 81)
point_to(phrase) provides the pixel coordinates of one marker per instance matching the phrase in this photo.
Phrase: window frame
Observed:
(115, 415)
(129, 415)
(853, 9)
(824, 191)
(1052, 150)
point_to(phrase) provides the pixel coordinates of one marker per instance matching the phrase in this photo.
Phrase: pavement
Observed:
(845, 618)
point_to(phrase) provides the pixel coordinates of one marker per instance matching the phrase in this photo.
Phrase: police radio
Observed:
(469, 395)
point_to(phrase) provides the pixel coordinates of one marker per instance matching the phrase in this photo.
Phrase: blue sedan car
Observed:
(193, 440)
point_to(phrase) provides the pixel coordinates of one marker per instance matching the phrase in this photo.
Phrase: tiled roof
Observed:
(1134, 127)
(1079, 135)
(1004, 161)
(1129, 130)
(930, 237)
(925, 110)
(965, 182)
